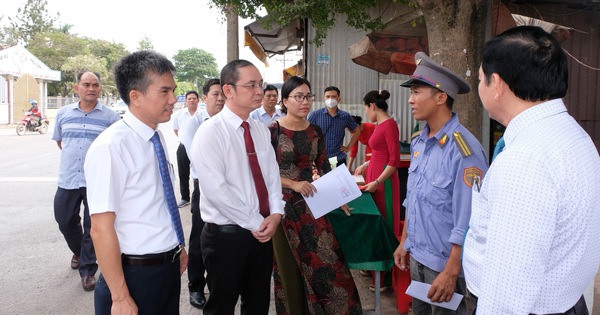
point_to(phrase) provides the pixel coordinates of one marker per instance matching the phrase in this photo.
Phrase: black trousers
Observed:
(154, 289)
(196, 280)
(237, 265)
(183, 168)
(67, 207)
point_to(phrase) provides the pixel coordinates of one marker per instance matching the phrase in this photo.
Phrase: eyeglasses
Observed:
(256, 86)
(300, 98)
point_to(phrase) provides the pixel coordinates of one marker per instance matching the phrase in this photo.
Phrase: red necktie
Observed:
(259, 181)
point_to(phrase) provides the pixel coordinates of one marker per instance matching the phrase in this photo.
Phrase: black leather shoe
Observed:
(88, 282)
(197, 299)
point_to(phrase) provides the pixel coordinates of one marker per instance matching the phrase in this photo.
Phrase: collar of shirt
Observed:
(448, 129)
(530, 116)
(231, 118)
(204, 115)
(138, 126)
(325, 112)
(99, 106)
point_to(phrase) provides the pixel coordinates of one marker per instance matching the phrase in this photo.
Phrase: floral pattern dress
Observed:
(325, 279)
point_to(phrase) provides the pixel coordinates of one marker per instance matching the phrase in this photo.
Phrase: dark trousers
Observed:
(341, 162)
(67, 206)
(155, 289)
(580, 308)
(237, 265)
(196, 280)
(183, 168)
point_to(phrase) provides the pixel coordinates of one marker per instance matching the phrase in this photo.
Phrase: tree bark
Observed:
(456, 34)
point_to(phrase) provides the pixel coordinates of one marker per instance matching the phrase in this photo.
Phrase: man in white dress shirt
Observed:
(215, 100)
(183, 162)
(138, 249)
(236, 239)
(268, 112)
(533, 244)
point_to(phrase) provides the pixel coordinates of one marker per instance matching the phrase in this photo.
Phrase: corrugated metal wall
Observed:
(583, 96)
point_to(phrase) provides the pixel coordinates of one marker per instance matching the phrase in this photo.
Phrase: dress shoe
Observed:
(88, 282)
(197, 299)
(75, 262)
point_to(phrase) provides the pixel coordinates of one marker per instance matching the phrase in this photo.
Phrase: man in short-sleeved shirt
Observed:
(334, 121)
(268, 112)
(77, 125)
(446, 161)
(183, 162)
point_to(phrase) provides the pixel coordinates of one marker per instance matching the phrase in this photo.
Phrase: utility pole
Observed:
(233, 41)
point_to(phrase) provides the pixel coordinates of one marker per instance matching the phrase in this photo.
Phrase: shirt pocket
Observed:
(438, 191)
(411, 183)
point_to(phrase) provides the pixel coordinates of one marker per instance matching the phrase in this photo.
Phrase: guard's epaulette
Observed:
(415, 134)
(462, 145)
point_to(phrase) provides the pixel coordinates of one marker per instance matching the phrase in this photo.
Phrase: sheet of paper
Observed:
(334, 189)
(419, 290)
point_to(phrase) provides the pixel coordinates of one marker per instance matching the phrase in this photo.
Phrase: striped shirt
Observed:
(334, 129)
(76, 130)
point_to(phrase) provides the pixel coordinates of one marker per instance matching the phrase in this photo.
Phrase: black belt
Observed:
(226, 228)
(151, 259)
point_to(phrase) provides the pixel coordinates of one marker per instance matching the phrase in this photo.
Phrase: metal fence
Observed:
(55, 102)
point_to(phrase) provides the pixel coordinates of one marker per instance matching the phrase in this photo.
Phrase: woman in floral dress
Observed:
(310, 272)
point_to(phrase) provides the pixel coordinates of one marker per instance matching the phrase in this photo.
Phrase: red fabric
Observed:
(365, 135)
(259, 181)
(385, 146)
(400, 282)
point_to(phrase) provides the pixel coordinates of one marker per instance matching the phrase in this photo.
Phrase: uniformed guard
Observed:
(446, 160)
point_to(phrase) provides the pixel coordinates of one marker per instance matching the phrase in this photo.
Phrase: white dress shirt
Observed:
(187, 133)
(122, 174)
(534, 239)
(180, 118)
(227, 188)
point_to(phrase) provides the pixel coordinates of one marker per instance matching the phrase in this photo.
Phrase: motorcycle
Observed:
(30, 123)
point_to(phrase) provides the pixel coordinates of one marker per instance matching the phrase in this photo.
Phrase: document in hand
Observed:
(334, 189)
(419, 290)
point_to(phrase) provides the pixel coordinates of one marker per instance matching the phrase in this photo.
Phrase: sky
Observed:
(170, 25)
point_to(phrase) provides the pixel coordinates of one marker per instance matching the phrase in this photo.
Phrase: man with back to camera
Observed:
(334, 121)
(446, 161)
(183, 162)
(214, 101)
(268, 112)
(136, 226)
(241, 201)
(77, 126)
(532, 246)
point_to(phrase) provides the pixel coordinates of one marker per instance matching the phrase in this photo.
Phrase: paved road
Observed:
(35, 276)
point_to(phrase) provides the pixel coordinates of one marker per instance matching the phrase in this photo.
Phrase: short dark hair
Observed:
(377, 98)
(288, 86)
(332, 88)
(191, 92)
(230, 74)
(131, 72)
(530, 60)
(81, 73)
(208, 84)
(357, 119)
(271, 87)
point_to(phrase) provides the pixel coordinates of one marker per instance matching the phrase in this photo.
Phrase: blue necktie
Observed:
(168, 187)
(499, 147)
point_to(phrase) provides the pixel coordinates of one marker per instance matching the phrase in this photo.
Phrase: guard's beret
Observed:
(431, 73)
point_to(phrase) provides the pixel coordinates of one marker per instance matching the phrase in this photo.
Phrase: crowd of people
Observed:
(518, 236)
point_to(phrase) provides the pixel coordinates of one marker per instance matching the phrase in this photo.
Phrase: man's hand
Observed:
(401, 258)
(346, 209)
(183, 260)
(124, 306)
(442, 287)
(267, 228)
(345, 149)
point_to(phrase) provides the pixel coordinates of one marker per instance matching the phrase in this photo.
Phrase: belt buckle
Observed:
(176, 254)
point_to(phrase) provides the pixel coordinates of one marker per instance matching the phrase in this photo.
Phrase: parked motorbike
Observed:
(30, 123)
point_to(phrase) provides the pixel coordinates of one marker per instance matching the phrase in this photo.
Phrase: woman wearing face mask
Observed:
(381, 171)
(310, 274)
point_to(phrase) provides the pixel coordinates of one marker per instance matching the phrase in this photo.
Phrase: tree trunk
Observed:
(456, 33)
(233, 39)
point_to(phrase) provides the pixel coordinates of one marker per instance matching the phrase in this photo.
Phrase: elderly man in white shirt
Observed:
(268, 112)
(241, 201)
(533, 244)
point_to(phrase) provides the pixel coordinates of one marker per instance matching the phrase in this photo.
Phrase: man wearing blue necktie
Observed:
(136, 226)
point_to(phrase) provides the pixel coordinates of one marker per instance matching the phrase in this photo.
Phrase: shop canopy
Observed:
(17, 61)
